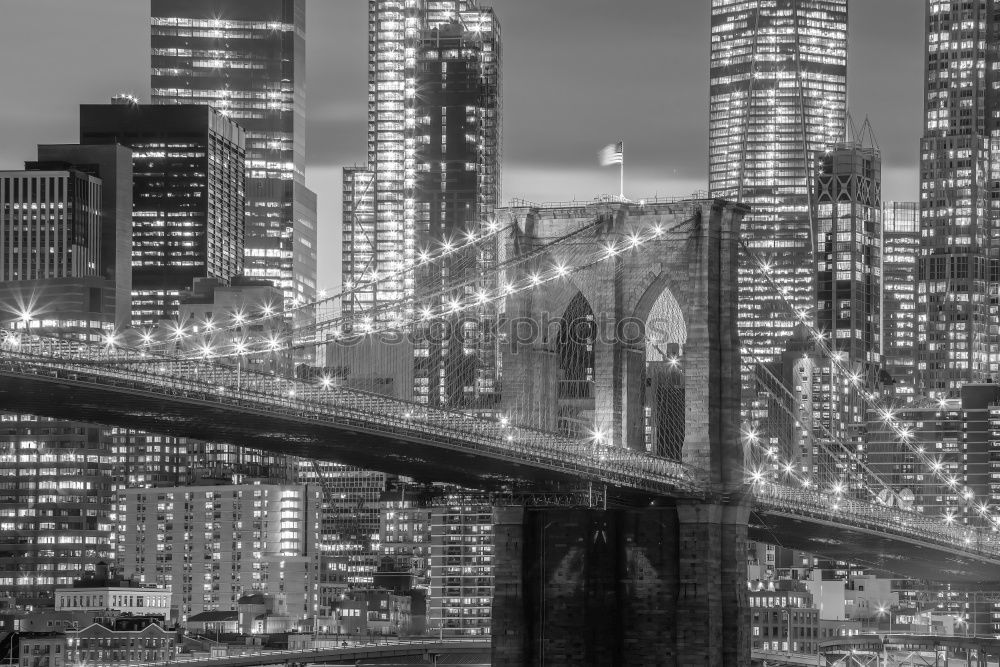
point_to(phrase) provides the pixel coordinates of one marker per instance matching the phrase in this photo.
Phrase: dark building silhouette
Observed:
(188, 196)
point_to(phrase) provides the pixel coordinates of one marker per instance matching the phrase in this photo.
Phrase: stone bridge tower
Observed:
(656, 586)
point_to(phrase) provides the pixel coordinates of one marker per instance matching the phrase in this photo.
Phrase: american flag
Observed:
(613, 154)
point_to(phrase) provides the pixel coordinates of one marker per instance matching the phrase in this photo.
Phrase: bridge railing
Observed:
(803, 502)
(233, 386)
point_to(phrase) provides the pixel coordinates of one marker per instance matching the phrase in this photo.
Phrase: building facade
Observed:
(51, 222)
(900, 244)
(778, 99)
(214, 544)
(461, 566)
(188, 197)
(246, 58)
(956, 331)
(783, 617)
(56, 493)
(432, 176)
(957, 435)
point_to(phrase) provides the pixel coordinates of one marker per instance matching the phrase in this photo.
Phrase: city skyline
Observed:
(552, 126)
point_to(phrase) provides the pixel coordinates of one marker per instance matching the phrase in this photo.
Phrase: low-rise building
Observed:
(373, 612)
(783, 617)
(42, 649)
(105, 592)
(121, 642)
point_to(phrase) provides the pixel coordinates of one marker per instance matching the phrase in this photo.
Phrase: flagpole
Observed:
(621, 175)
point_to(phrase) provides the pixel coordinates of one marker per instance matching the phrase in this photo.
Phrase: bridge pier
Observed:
(662, 586)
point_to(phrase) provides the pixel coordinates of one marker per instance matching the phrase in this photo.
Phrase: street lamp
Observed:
(885, 610)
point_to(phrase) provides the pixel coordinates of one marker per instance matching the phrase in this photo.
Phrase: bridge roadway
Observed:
(217, 403)
(346, 655)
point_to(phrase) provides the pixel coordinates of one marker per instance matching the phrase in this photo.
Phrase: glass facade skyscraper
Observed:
(432, 175)
(247, 59)
(956, 321)
(778, 99)
(433, 138)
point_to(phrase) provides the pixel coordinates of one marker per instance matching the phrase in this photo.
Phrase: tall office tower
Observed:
(433, 174)
(778, 99)
(247, 59)
(214, 544)
(848, 232)
(900, 244)
(55, 500)
(188, 197)
(954, 337)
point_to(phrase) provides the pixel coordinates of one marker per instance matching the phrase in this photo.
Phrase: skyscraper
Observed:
(848, 232)
(778, 99)
(900, 244)
(247, 59)
(955, 343)
(432, 175)
(188, 197)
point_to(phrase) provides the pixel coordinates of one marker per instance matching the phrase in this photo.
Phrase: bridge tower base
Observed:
(662, 586)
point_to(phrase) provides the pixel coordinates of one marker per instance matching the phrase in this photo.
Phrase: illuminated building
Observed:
(432, 175)
(956, 331)
(461, 566)
(214, 544)
(188, 197)
(948, 453)
(900, 243)
(51, 224)
(113, 165)
(848, 218)
(778, 99)
(56, 493)
(247, 59)
(349, 518)
(820, 400)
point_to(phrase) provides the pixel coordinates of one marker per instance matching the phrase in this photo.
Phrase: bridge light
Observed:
(492, 226)
(239, 317)
(561, 270)
(447, 246)
(838, 488)
(611, 250)
(273, 344)
(657, 230)
(470, 236)
(949, 517)
(326, 381)
(110, 340)
(757, 476)
(424, 256)
(968, 494)
(241, 347)
(536, 279)
(322, 294)
(268, 309)
(635, 240)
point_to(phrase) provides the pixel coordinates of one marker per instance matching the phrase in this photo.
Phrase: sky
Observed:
(577, 74)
